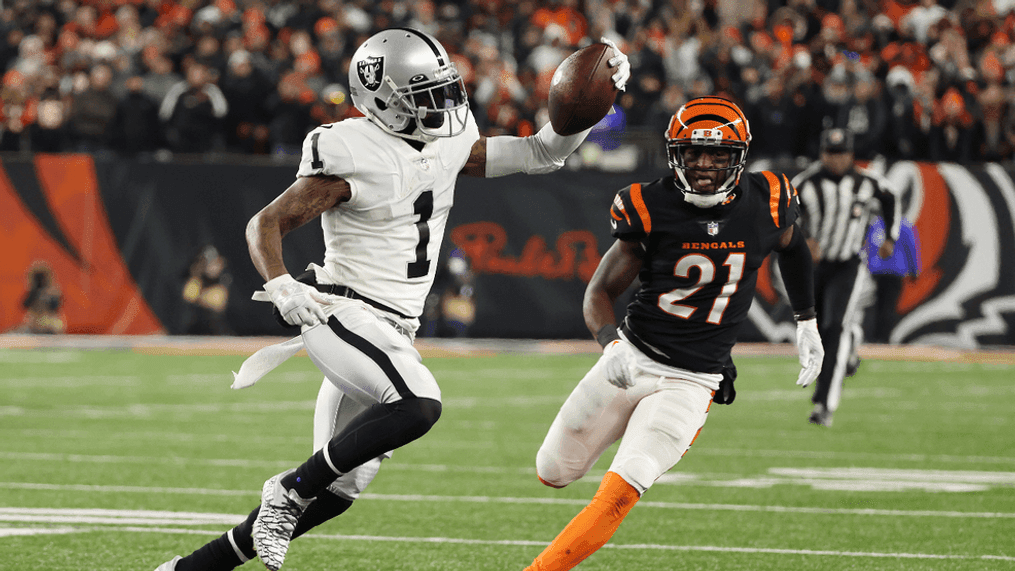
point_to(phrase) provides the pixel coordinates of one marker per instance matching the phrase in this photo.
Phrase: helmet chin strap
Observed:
(706, 200)
(414, 135)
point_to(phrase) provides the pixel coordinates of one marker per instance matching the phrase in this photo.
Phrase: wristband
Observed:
(607, 334)
(805, 314)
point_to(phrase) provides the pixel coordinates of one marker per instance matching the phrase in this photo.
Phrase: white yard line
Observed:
(936, 459)
(19, 514)
(134, 521)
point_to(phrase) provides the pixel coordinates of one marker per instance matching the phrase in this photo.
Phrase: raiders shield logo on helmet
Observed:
(370, 71)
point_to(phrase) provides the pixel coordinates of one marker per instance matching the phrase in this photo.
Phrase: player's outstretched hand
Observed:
(618, 361)
(298, 303)
(620, 62)
(808, 343)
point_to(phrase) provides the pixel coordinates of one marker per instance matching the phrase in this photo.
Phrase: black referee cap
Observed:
(837, 141)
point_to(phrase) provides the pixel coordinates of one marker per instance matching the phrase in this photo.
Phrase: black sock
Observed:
(219, 555)
(378, 429)
(327, 506)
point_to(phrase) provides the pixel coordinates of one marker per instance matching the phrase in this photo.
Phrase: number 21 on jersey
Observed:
(668, 302)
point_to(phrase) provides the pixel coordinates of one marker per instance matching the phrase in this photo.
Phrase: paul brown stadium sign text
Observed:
(574, 255)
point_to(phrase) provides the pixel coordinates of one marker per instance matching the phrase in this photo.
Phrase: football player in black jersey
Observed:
(695, 240)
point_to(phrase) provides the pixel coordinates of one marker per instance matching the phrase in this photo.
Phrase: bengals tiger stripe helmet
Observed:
(711, 122)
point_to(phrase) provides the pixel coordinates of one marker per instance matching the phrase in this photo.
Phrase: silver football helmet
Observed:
(400, 77)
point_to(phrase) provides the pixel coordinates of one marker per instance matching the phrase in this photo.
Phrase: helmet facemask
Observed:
(729, 173)
(439, 107)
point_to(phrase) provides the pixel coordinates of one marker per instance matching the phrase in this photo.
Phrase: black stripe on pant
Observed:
(378, 429)
(375, 355)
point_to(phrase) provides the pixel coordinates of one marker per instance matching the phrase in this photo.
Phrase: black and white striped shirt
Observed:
(837, 210)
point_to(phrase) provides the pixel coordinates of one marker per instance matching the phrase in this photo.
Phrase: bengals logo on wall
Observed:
(964, 219)
(370, 72)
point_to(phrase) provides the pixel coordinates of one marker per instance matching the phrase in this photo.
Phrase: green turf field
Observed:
(114, 460)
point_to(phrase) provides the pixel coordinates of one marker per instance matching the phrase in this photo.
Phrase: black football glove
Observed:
(726, 392)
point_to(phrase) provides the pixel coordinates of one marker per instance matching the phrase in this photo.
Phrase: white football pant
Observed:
(658, 418)
(366, 357)
(365, 361)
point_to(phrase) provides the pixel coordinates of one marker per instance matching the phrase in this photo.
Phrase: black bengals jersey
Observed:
(700, 266)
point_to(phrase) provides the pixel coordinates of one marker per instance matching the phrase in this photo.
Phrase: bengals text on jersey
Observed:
(700, 266)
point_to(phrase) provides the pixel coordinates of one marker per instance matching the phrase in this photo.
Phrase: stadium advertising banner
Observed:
(122, 238)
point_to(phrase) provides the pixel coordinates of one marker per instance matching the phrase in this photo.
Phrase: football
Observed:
(582, 91)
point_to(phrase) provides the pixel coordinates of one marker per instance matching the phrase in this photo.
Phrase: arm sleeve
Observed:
(797, 272)
(541, 153)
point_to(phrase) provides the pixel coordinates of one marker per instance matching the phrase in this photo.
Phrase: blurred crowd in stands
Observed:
(913, 79)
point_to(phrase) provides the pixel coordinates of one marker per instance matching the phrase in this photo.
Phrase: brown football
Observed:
(581, 91)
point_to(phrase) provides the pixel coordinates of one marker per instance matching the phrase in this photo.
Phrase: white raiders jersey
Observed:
(384, 241)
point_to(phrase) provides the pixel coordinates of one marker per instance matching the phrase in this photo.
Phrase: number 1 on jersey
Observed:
(423, 207)
(706, 273)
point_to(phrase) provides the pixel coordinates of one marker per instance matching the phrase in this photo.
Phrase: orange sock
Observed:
(591, 528)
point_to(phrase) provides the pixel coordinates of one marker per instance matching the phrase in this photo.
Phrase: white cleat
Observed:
(276, 521)
(169, 565)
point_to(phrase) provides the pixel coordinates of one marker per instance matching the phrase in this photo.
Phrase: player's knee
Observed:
(550, 470)
(417, 414)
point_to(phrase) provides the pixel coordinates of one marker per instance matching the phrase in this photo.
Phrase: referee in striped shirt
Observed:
(837, 198)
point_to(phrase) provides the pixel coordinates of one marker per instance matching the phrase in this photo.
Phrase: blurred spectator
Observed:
(830, 105)
(246, 90)
(43, 302)
(290, 109)
(774, 122)
(92, 111)
(160, 77)
(866, 116)
(874, 67)
(450, 309)
(920, 19)
(136, 127)
(993, 101)
(951, 136)
(333, 105)
(667, 106)
(206, 295)
(905, 141)
(193, 112)
(648, 75)
(48, 134)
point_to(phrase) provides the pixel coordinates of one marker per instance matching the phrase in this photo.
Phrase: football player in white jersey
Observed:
(382, 185)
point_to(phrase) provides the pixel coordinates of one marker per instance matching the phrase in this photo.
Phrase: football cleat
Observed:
(276, 520)
(169, 565)
(820, 415)
(853, 365)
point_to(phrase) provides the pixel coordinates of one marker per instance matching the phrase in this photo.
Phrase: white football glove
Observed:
(618, 360)
(298, 303)
(620, 62)
(808, 343)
